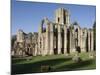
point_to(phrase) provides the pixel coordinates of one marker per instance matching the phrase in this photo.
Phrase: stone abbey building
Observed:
(58, 37)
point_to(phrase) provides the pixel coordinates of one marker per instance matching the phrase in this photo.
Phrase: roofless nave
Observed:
(59, 37)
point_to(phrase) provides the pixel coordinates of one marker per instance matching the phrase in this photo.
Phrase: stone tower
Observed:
(62, 16)
(20, 36)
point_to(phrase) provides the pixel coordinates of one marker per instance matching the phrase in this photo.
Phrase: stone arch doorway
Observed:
(62, 35)
(44, 22)
(78, 49)
(68, 39)
(55, 43)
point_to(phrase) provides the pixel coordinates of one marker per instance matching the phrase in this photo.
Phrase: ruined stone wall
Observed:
(84, 40)
(59, 37)
(20, 36)
(62, 16)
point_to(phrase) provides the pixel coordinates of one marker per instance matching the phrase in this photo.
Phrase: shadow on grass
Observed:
(84, 65)
(35, 67)
(17, 59)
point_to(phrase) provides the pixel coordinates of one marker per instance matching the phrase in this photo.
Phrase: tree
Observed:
(13, 39)
(94, 32)
(71, 28)
(75, 23)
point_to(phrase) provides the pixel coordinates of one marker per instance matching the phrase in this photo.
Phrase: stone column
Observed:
(43, 45)
(85, 44)
(92, 41)
(88, 40)
(79, 37)
(33, 51)
(36, 50)
(38, 41)
(73, 41)
(51, 39)
(70, 40)
(68, 19)
(65, 39)
(47, 40)
(59, 39)
(39, 37)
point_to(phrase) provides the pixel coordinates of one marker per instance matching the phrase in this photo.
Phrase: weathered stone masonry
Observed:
(58, 37)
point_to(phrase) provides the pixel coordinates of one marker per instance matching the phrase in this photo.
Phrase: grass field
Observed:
(56, 63)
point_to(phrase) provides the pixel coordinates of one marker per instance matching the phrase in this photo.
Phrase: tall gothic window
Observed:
(64, 17)
(58, 19)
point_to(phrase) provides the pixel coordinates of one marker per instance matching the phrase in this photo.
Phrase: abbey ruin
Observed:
(58, 37)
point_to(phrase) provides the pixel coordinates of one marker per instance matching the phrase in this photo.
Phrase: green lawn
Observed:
(56, 63)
